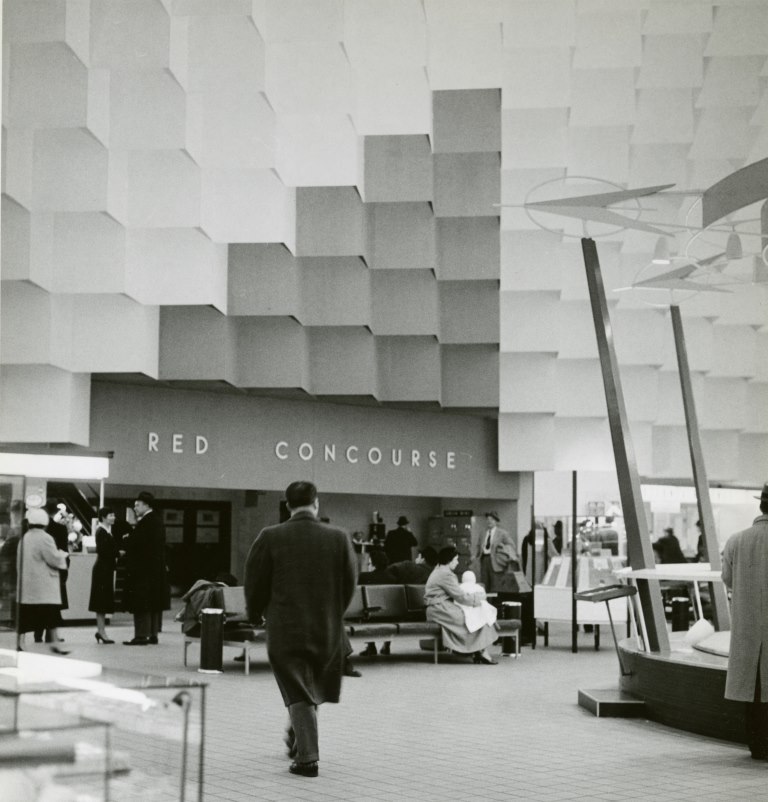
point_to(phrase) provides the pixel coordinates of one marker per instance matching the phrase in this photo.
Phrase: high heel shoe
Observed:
(483, 660)
(102, 638)
(59, 650)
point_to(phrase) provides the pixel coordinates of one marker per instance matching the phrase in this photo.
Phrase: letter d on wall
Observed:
(201, 444)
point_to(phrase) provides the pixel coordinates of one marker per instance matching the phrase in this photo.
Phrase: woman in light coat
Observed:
(443, 595)
(39, 563)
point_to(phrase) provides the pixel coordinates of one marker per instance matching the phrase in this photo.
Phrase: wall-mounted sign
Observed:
(352, 454)
(183, 438)
(177, 443)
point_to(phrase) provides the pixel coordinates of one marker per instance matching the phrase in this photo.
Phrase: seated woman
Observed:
(441, 596)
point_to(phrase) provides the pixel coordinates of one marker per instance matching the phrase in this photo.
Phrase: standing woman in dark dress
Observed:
(102, 601)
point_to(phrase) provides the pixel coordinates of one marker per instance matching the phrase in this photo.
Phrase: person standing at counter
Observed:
(39, 562)
(57, 529)
(745, 573)
(102, 600)
(399, 543)
(148, 591)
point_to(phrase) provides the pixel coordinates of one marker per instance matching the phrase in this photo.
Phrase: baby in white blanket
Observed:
(484, 613)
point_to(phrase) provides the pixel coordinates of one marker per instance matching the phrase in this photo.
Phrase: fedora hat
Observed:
(764, 494)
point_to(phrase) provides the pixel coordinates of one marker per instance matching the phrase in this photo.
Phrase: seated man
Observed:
(415, 572)
(380, 574)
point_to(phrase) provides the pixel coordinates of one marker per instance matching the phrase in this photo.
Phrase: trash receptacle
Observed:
(510, 611)
(211, 640)
(680, 613)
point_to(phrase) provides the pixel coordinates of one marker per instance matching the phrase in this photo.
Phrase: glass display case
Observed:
(56, 757)
(553, 596)
(117, 735)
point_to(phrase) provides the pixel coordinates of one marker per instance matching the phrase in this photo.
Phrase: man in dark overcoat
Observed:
(400, 542)
(745, 573)
(147, 591)
(301, 575)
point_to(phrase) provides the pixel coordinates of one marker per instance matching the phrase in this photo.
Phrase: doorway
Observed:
(197, 537)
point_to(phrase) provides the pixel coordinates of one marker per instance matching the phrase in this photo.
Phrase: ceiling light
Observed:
(733, 249)
(661, 252)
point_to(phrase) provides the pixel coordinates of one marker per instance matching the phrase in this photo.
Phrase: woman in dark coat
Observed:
(102, 601)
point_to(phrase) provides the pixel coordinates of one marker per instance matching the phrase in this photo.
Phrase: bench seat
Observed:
(377, 612)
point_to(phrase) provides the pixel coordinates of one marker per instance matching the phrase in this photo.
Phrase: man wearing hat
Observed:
(745, 573)
(147, 587)
(495, 552)
(400, 543)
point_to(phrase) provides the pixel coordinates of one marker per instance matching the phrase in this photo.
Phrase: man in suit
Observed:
(745, 573)
(495, 552)
(301, 575)
(148, 591)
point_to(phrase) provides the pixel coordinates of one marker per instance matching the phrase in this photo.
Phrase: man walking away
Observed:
(301, 575)
(745, 573)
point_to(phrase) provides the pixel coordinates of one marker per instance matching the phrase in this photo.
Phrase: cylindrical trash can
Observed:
(510, 611)
(211, 640)
(680, 611)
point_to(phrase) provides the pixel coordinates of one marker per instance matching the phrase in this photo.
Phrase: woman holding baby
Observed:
(446, 599)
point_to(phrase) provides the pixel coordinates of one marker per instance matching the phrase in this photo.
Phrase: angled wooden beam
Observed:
(720, 612)
(639, 547)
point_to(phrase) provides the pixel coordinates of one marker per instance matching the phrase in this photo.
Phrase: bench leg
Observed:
(186, 646)
(597, 637)
(247, 661)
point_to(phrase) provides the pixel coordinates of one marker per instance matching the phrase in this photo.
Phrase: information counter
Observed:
(79, 587)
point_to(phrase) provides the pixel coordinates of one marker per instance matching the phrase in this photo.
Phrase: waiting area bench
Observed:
(376, 612)
(388, 612)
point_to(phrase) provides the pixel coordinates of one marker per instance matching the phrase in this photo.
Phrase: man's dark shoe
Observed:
(351, 671)
(304, 769)
(369, 651)
(136, 642)
(152, 640)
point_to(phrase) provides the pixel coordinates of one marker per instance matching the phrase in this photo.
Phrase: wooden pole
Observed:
(638, 538)
(720, 612)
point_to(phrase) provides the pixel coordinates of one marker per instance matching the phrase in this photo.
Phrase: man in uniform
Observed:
(301, 575)
(745, 573)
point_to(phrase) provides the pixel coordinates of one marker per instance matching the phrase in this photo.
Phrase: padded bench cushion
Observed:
(385, 602)
(373, 630)
(356, 609)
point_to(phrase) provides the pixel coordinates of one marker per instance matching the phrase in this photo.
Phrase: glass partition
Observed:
(11, 516)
